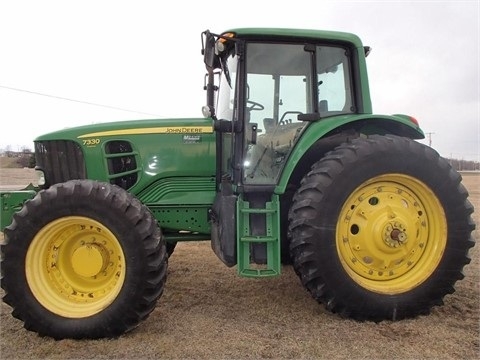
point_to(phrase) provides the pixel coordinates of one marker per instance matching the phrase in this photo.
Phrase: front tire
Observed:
(171, 248)
(381, 229)
(83, 259)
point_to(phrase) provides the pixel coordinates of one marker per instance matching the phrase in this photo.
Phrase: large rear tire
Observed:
(83, 259)
(381, 229)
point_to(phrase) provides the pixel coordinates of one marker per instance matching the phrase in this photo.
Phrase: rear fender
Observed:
(366, 124)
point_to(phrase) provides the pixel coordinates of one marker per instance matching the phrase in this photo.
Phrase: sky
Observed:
(67, 63)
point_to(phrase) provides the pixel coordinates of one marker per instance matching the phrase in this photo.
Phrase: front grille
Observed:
(60, 160)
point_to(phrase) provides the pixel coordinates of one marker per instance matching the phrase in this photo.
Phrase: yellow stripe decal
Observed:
(153, 130)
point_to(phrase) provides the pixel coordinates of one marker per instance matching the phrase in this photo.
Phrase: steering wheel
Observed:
(254, 105)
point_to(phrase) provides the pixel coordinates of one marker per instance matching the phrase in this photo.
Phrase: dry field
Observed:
(207, 312)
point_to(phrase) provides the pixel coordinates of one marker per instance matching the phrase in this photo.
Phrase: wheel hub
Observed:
(395, 234)
(88, 260)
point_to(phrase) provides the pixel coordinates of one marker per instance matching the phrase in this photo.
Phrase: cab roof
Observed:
(307, 34)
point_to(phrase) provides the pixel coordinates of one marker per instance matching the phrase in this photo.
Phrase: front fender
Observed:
(11, 202)
(368, 124)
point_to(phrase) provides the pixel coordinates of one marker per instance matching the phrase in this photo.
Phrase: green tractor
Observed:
(288, 166)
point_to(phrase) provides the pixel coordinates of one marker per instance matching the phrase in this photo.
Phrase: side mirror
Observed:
(209, 50)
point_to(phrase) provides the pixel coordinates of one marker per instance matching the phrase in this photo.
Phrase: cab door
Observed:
(257, 127)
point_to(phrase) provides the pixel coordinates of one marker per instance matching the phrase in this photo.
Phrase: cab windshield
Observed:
(279, 89)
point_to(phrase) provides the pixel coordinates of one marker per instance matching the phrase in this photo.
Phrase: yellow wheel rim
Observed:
(75, 267)
(391, 234)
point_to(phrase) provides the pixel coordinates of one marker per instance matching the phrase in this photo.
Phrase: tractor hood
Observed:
(101, 131)
(132, 154)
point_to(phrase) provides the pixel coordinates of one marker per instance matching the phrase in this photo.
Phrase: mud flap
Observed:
(223, 224)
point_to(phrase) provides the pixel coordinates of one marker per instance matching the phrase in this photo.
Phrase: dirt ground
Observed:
(208, 312)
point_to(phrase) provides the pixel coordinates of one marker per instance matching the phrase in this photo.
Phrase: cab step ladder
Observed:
(271, 238)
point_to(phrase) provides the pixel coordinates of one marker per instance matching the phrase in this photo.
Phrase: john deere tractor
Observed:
(288, 166)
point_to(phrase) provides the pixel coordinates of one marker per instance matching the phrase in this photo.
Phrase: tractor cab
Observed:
(263, 92)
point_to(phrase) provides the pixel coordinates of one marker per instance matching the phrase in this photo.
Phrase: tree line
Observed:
(464, 165)
(23, 158)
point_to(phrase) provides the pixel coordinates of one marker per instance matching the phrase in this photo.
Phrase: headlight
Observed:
(41, 177)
